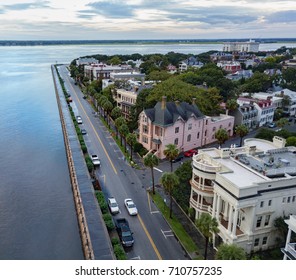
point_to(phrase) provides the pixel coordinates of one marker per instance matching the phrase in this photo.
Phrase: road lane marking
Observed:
(167, 233)
(157, 169)
(150, 238)
(96, 133)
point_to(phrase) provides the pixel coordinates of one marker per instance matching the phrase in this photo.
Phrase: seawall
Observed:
(94, 235)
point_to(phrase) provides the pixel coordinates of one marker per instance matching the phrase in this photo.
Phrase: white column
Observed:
(214, 206)
(234, 221)
(218, 207)
(230, 218)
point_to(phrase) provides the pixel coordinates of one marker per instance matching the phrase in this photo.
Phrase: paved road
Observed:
(153, 238)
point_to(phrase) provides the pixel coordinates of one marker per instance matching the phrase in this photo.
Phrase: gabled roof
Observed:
(171, 112)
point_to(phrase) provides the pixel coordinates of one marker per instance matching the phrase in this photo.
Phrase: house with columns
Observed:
(245, 189)
(179, 123)
(290, 247)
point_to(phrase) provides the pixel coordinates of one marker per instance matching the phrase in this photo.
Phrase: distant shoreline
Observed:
(137, 42)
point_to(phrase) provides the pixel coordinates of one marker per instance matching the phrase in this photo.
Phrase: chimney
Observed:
(163, 102)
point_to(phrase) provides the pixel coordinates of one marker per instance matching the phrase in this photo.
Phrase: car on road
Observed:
(131, 207)
(79, 119)
(178, 158)
(190, 153)
(95, 160)
(83, 131)
(271, 125)
(113, 206)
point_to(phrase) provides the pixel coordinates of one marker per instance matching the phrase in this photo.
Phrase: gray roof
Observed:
(170, 114)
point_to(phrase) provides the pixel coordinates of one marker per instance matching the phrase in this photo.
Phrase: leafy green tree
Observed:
(231, 105)
(115, 60)
(241, 131)
(151, 161)
(131, 139)
(282, 122)
(158, 75)
(171, 152)
(282, 227)
(289, 76)
(230, 252)
(116, 113)
(123, 130)
(221, 135)
(169, 181)
(291, 141)
(207, 226)
(182, 193)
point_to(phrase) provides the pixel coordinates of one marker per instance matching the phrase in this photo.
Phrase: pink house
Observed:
(181, 124)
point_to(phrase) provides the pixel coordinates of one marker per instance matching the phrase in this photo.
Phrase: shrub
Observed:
(138, 147)
(102, 202)
(191, 213)
(115, 241)
(108, 221)
(119, 252)
(89, 164)
(84, 148)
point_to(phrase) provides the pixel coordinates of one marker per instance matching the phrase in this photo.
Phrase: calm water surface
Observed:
(37, 213)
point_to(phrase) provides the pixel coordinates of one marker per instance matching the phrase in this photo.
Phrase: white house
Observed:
(245, 189)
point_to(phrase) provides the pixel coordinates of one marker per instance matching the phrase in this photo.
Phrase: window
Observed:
(190, 126)
(289, 198)
(145, 129)
(189, 138)
(258, 223)
(197, 135)
(229, 124)
(284, 199)
(145, 139)
(214, 128)
(267, 219)
(269, 202)
(177, 130)
(256, 242)
(293, 199)
(264, 240)
(261, 204)
(176, 141)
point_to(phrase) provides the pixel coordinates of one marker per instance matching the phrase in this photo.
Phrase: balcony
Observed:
(203, 207)
(208, 189)
(290, 251)
(204, 165)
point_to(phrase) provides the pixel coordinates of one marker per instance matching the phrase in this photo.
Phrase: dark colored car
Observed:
(83, 131)
(178, 158)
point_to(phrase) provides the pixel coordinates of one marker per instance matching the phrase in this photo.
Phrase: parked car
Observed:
(124, 232)
(83, 131)
(190, 153)
(271, 125)
(131, 207)
(79, 119)
(113, 206)
(95, 160)
(178, 158)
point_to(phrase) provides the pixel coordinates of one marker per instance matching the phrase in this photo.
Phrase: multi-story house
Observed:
(230, 66)
(190, 62)
(290, 106)
(240, 74)
(181, 124)
(265, 109)
(102, 71)
(290, 248)
(246, 114)
(245, 189)
(250, 46)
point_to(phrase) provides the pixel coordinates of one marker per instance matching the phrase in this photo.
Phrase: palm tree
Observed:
(282, 122)
(221, 135)
(169, 180)
(242, 131)
(151, 161)
(131, 139)
(118, 123)
(116, 113)
(171, 152)
(123, 130)
(101, 100)
(208, 226)
(108, 106)
(230, 252)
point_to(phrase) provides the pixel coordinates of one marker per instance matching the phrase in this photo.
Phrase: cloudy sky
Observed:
(146, 19)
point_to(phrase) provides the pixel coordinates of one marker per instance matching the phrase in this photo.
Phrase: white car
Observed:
(131, 207)
(95, 160)
(79, 120)
(113, 206)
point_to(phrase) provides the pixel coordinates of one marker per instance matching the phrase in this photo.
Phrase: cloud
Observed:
(111, 9)
(282, 17)
(27, 6)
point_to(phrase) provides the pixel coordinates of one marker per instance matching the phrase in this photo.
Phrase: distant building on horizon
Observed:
(249, 46)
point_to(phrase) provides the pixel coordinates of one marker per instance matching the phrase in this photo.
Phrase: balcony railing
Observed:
(205, 188)
(205, 166)
(291, 248)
